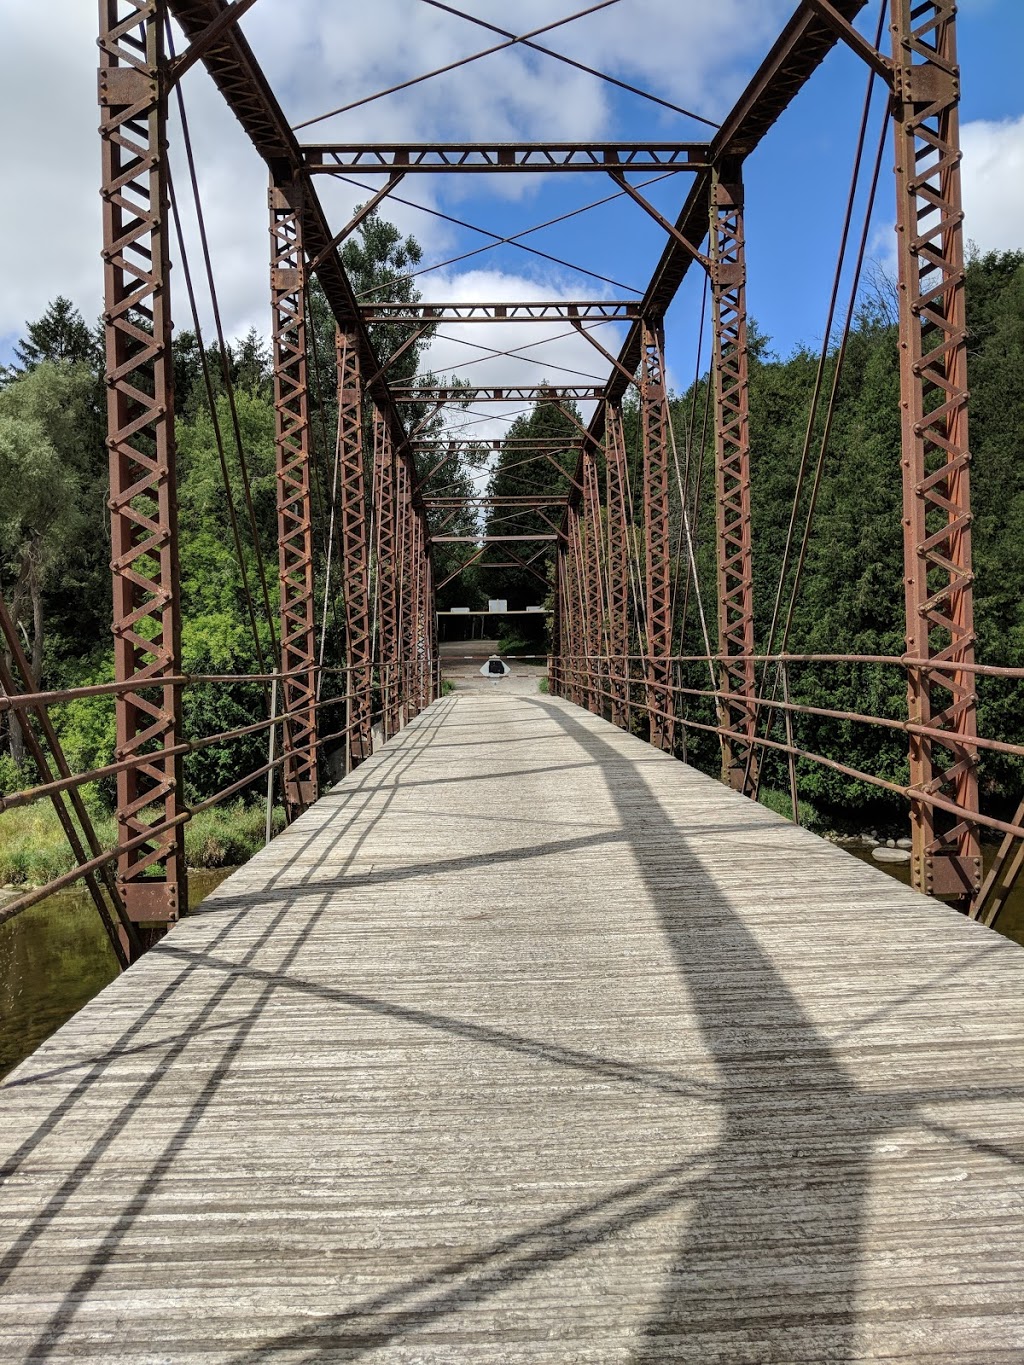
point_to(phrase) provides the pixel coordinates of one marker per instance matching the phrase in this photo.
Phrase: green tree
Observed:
(60, 335)
(38, 516)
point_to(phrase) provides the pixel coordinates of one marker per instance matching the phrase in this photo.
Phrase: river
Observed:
(1011, 921)
(53, 958)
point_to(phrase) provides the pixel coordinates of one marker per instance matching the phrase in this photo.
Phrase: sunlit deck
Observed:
(529, 1043)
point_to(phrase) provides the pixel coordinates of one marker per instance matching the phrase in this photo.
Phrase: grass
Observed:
(543, 686)
(34, 848)
(781, 803)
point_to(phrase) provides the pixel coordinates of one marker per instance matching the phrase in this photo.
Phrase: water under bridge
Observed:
(526, 1040)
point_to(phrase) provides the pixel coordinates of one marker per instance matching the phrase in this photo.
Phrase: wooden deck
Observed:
(528, 1043)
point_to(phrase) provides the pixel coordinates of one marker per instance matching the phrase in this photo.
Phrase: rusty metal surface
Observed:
(735, 576)
(385, 506)
(509, 393)
(354, 536)
(489, 157)
(654, 420)
(617, 563)
(294, 507)
(557, 310)
(938, 570)
(593, 564)
(140, 440)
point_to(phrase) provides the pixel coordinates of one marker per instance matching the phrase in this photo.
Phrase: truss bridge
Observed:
(528, 1038)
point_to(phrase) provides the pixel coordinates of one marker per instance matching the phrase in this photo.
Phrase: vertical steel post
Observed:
(573, 610)
(433, 680)
(617, 564)
(409, 612)
(732, 476)
(936, 484)
(140, 441)
(594, 570)
(556, 665)
(654, 417)
(417, 685)
(388, 631)
(354, 542)
(294, 506)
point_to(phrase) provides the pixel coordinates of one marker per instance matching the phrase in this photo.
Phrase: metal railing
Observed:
(45, 750)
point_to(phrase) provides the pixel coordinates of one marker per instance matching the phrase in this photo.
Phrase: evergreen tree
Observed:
(60, 335)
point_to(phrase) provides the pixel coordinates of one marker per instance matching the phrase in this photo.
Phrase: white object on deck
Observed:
(495, 668)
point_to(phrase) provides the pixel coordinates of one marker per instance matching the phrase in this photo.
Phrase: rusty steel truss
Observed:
(732, 476)
(140, 439)
(294, 495)
(613, 550)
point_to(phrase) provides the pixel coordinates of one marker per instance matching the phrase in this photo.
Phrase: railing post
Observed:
(732, 476)
(617, 565)
(946, 857)
(654, 417)
(294, 507)
(140, 441)
(355, 546)
(794, 790)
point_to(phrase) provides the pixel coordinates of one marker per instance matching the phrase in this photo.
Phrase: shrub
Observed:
(781, 803)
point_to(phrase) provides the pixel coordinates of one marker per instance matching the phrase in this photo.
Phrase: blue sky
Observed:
(698, 53)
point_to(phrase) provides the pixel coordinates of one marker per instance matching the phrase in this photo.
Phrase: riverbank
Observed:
(34, 848)
(54, 958)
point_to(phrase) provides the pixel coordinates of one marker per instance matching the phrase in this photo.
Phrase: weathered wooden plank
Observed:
(528, 1043)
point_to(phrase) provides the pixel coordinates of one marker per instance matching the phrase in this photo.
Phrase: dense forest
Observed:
(54, 544)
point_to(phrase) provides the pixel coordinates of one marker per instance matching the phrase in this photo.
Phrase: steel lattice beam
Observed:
(559, 650)
(489, 157)
(294, 508)
(594, 570)
(557, 311)
(936, 484)
(406, 586)
(654, 418)
(385, 502)
(574, 613)
(617, 564)
(732, 477)
(140, 440)
(355, 547)
(521, 393)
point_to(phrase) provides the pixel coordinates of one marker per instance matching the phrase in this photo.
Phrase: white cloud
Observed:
(993, 184)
